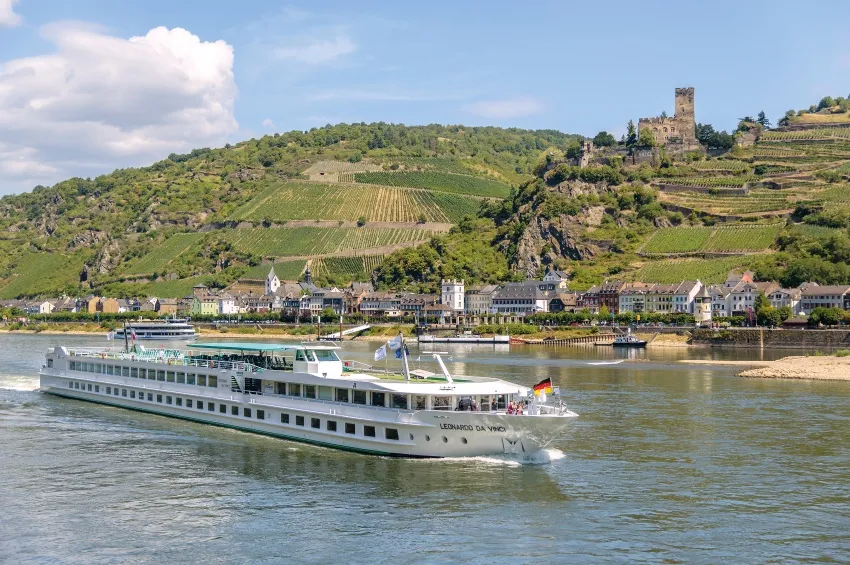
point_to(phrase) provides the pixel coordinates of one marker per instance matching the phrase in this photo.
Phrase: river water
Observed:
(666, 464)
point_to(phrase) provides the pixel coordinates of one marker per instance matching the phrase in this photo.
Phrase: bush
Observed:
(842, 353)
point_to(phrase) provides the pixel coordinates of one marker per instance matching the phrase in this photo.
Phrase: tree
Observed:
(762, 119)
(604, 139)
(825, 103)
(784, 120)
(573, 150)
(645, 138)
(664, 114)
(703, 133)
(631, 134)
(604, 313)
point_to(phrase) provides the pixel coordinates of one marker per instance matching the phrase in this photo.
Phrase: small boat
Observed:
(628, 340)
(168, 329)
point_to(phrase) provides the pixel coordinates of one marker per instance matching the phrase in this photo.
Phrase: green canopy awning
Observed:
(245, 346)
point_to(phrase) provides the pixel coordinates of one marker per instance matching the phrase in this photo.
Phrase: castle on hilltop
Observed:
(677, 133)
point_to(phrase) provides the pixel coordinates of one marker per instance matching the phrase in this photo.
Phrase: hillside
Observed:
(344, 196)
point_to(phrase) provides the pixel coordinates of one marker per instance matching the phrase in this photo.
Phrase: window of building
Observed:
(246, 412)
(212, 381)
(299, 420)
(168, 400)
(379, 399)
(234, 410)
(359, 396)
(211, 406)
(350, 428)
(391, 433)
(399, 401)
(310, 391)
(369, 431)
(159, 398)
(284, 418)
(331, 425)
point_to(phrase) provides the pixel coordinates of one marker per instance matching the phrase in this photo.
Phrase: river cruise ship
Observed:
(306, 393)
(163, 330)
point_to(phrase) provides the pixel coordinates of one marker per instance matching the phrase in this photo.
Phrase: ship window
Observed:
(211, 406)
(350, 428)
(134, 372)
(212, 381)
(284, 418)
(115, 391)
(420, 401)
(299, 355)
(315, 423)
(310, 391)
(88, 386)
(294, 389)
(234, 410)
(342, 395)
(178, 401)
(150, 397)
(108, 369)
(159, 398)
(181, 378)
(160, 375)
(170, 376)
(442, 402)
(188, 403)
(202, 380)
(97, 388)
(379, 399)
(124, 392)
(326, 393)
(399, 401)
(325, 355)
(222, 408)
(125, 371)
(132, 394)
(108, 390)
(280, 388)
(391, 433)
(359, 397)
(299, 420)
(369, 431)
(261, 414)
(99, 369)
(331, 425)
(70, 384)
(76, 385)
(190, 378)
(246, 412)
(168, 400)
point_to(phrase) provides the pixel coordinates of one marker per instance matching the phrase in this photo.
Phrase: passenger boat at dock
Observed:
(306, 393)
(629, 340)
(163, 330)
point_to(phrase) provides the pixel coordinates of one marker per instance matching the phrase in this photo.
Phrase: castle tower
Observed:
(272, 282)
(685, 103)
(453, 294)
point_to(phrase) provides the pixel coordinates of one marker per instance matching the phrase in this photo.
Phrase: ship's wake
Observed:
(542, 457)
(18, 383)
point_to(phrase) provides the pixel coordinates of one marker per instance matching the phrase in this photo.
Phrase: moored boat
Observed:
(628, 340)
(306, 393)
(163, 330)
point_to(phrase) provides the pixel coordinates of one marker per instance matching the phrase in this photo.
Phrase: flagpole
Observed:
(126, 345)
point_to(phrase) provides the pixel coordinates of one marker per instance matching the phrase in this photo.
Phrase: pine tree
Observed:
(762, 119)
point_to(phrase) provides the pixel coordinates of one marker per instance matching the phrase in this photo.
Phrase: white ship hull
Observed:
(423, 433)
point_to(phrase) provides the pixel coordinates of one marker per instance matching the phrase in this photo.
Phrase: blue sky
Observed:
(257, 67)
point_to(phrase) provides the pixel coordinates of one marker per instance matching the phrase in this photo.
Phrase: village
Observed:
(458, 305)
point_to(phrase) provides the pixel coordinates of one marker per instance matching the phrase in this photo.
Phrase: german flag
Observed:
(544, 386)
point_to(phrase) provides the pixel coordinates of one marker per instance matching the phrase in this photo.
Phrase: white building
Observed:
(826, 296)
(227, 305)
(523, 298)
(557, 277)
(702, 307)
(272, 283)
(452, 295)
(479, 299)
(782, 297)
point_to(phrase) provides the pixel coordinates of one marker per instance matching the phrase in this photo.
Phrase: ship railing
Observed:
(224, 365)
(356, 365)
(166, 357)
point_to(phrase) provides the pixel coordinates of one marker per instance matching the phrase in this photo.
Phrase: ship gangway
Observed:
(349, 331)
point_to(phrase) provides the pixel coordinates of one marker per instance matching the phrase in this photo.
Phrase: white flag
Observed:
(395, 342)
(381, 353)
(110, 336)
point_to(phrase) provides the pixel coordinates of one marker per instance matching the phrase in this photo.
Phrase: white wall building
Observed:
(227, 305)
(452, 295)
(272, 282)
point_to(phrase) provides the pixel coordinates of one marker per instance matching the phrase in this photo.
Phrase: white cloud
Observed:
(8, 17)
(314, 51)
(508, 108)
(99, 102)
(268, 123)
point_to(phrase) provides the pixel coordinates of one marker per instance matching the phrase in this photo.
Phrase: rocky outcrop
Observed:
(545, 240)
(108, 257)
(87, 238)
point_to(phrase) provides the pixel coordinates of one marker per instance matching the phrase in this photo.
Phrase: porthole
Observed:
(463, 440)
(427, 437)
(445, 439)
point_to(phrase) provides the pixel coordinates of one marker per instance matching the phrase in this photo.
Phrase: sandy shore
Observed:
(821, 368)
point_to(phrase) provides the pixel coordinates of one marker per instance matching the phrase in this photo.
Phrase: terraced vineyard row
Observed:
(347, 269)
(41, 273)
(287, 242)
(708, 271)
(753, 203)
(817, 133)
(715, 240)
(721, 165)
(322, 201)
(158, 259)
(712, 182)
(443, 182)
(285, 270)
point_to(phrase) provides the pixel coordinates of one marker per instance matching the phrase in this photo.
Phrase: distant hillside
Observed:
(214, 215)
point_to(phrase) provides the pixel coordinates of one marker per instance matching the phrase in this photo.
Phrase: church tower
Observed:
(272, 282)
(702, 308)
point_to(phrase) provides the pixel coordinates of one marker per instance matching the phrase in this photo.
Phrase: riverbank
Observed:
(818, 367)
